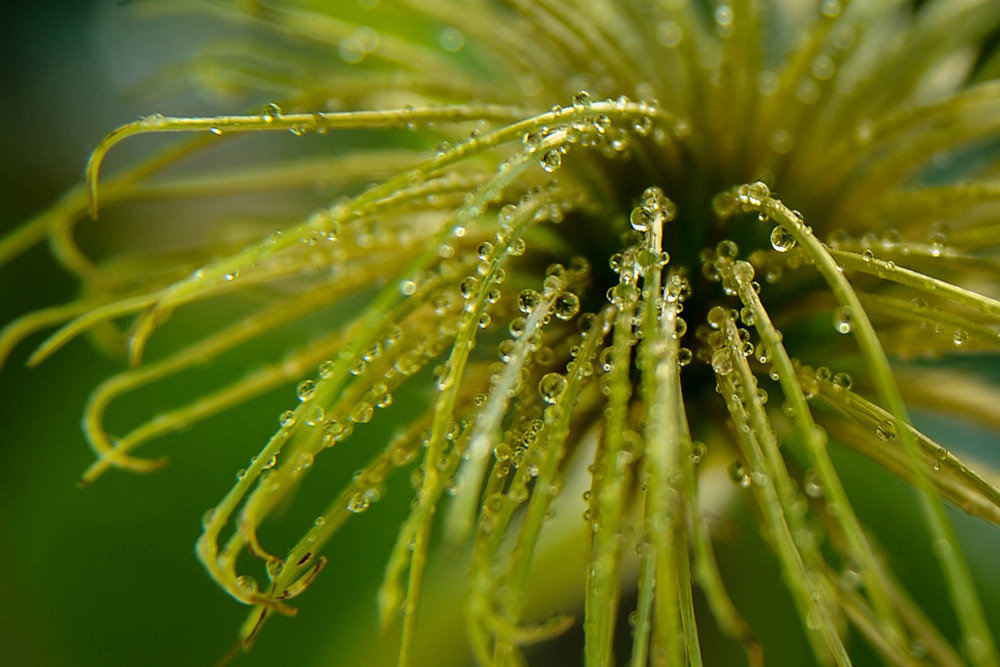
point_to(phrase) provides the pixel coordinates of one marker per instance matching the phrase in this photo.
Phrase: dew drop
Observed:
(451, 39)
(885, 430)
(717, 317)
(843, 320)
(363, 412)
(823, 67)
(528, 300)
(842, 381)
(723, 15)
(517, 326)
(738, 474)
(315, 414)
(270, 113)
(642, 125)
(641, 219)
(326, 369)
(830, 8)
(468, 287)
(606, 359)
(781, 141)
(722, 363)
(358, 503)
(758, 192)
(442, 376)
(247, 585)
(551, 387)
(306, 390)
(698, 451)
(567, 304)
(781, 239)
(551, 160)
(669, 34)
(811, 484)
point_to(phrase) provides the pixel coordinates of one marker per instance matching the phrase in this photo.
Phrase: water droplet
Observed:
(517, 326)
(468, 287)
(885, 430)
(306, 390)
(717, 317)
(960, 337)
(843, 320)
(442, 376)
(582, 100)
(767, 82)
(641, 219)
(722, 363)
(606, 359)
(823, 67)
(738, 474)
(698, 451)
(270, 113)
(528, 300)
(246, 584)
(830, 8)
(314, 415)
(551, 160)
(781, 141)
(727, 249)
(363, 412)
(757, 192)
(373, 352)
(287, 419)
(842, 381)
(567, 304)
(642, 125)
(811, 484)
(723, 15)
(551, 387)
(781, 239)
(358, 503)
(451, 39)
(669, 34)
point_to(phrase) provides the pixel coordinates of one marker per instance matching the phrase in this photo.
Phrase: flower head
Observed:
(606, 248)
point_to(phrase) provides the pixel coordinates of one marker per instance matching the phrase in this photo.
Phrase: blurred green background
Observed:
(107, 575)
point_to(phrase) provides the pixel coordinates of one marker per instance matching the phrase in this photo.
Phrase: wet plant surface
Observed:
(577, 280)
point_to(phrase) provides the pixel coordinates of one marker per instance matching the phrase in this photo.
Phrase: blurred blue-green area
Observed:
(107, 575)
